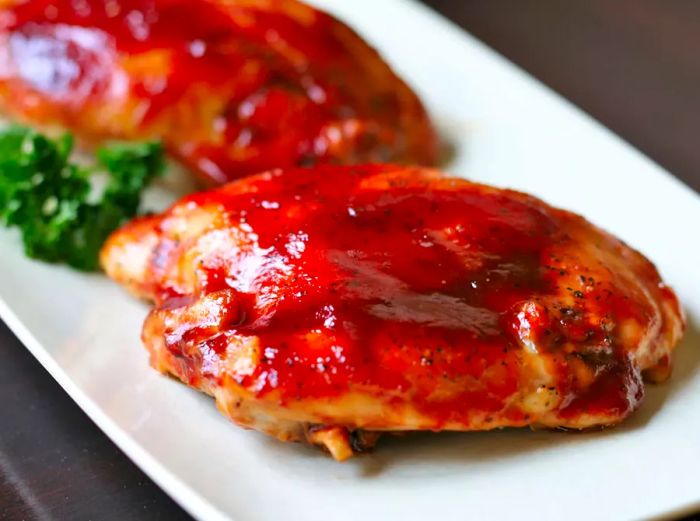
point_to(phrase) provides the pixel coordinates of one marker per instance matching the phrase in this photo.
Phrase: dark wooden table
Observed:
(633, 64)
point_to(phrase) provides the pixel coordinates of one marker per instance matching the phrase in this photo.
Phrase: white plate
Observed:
(509, 130)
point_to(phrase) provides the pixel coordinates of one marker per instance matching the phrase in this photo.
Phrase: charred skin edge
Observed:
(343, 442)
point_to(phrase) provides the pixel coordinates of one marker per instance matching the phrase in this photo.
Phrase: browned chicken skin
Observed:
(231, 87)
(335, 303)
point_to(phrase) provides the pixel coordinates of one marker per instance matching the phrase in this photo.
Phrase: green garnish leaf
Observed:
(47, 196)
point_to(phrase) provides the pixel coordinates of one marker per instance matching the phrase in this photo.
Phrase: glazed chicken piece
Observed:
(232, 87)
(332, 304)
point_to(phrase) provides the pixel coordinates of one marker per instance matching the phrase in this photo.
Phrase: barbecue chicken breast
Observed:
(334, 303)
(232, 87)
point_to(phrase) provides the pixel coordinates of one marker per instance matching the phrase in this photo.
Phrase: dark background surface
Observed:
(632, 64)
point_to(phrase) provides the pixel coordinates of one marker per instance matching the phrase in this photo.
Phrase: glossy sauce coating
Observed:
(233, 87)
(456, 305)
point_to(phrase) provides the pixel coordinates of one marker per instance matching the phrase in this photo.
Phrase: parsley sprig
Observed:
(51, 198)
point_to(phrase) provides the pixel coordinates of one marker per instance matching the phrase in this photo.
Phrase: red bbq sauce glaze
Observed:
(399, 282)
(231, 87)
